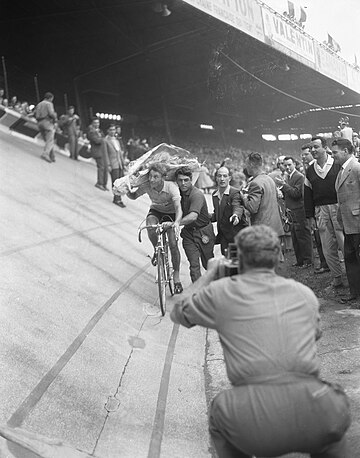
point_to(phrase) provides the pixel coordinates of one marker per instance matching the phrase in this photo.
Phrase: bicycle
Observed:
(164, 268)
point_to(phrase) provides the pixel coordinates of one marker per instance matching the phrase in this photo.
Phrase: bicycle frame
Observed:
(164, 277)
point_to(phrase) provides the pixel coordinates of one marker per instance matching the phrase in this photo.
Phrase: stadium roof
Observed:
(121, 56)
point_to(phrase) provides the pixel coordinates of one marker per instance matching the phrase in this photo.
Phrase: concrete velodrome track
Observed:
(85, 358)
(84, 355)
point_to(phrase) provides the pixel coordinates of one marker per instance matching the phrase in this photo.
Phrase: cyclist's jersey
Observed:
(161, 201)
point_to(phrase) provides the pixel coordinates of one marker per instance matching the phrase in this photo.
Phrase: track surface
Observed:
(85, 356)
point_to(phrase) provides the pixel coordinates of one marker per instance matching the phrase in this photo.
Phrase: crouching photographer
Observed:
(268, 326)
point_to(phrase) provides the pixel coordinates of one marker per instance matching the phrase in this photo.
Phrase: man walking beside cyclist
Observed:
(165, 208)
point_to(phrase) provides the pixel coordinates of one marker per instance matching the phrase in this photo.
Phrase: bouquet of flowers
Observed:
(172, 157)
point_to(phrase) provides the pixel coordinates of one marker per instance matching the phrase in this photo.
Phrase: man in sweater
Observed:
(321, 205)
(292, 189)
(307, 160)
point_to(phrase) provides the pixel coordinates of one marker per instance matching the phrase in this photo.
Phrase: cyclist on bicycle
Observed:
(165, 208)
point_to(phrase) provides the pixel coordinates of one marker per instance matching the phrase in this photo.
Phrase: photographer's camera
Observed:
(230, 265)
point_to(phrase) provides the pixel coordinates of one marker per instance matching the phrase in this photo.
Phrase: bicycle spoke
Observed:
(161, 281)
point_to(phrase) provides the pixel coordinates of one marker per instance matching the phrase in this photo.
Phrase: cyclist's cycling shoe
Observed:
(178, 288)
(154, 260)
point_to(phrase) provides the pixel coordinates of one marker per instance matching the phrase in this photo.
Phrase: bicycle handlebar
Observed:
(150, 226)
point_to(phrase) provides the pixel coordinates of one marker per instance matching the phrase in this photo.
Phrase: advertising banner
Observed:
(328, 64)
(278, 30)
(353, 78)
(244, 15)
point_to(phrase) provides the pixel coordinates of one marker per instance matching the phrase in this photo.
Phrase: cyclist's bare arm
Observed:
(178, 212)
(133, 195)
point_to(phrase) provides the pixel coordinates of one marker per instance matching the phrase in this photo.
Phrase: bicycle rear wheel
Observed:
(161, 281)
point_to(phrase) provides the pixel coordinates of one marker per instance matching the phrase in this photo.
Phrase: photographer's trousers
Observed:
(303, 415)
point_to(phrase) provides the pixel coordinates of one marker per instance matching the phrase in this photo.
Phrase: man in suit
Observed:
(261, 197)
(71, 127)
(115, 158)
(347, 187)
(228, 209)
(96, 138)
(293, 190)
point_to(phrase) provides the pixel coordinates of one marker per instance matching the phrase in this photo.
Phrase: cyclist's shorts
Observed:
(162, 217)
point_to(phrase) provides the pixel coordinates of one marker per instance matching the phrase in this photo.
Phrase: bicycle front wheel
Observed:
(169, 269)
(161, 281)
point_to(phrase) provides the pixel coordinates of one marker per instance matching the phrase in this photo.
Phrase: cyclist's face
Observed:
(184, 182)
(156, 180)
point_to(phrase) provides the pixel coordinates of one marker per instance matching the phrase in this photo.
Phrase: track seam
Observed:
(159, 421)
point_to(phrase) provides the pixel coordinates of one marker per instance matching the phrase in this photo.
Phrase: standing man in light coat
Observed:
(115, 158)
(261, 198)
(46, 118)
(347, 187)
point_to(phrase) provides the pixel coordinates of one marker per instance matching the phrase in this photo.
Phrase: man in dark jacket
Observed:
(198, 233)
(96, 138)
(229, 212)
(293, 190)
(71, 128)
(115, 156)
